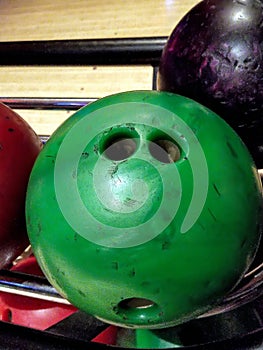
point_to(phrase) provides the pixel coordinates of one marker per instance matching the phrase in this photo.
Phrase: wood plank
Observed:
(73, 81)
(44, 122)
(62, 19)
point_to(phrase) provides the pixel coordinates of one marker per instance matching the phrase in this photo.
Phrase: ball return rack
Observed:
(236, 324)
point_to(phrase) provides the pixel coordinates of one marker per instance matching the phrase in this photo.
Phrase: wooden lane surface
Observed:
(63, 19)
(81, 19)
(65, 82)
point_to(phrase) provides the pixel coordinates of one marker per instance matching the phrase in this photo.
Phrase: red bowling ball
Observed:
(19, 147)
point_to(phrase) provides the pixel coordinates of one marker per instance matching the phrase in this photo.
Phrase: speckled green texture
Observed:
(183, 274)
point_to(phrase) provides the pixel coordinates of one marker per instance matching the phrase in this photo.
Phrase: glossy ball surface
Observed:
(143, 209)
(215, 56)
(19, 147)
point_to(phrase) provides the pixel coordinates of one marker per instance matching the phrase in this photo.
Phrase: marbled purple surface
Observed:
(215, 56)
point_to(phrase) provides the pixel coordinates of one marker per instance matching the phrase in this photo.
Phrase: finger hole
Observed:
(165, 151)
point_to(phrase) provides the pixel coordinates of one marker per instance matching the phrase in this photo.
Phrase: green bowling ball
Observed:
(143, 209)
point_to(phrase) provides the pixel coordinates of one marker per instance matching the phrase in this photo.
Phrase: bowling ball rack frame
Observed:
(237, 323)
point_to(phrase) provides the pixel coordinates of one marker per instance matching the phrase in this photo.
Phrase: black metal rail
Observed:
(45, 103)
(122, 51)
(23, 284)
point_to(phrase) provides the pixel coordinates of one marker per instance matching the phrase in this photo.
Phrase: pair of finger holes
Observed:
(121, 148)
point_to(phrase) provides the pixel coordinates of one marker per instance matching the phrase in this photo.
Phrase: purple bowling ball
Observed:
(215, 56)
